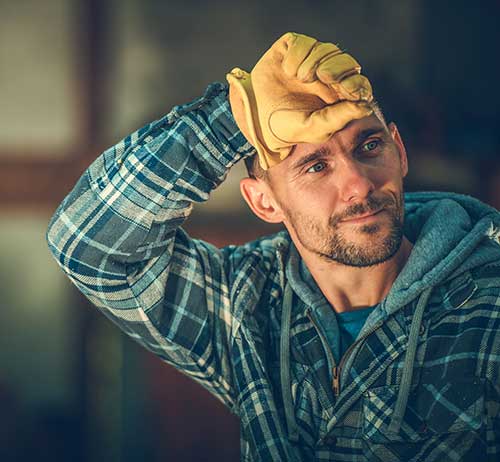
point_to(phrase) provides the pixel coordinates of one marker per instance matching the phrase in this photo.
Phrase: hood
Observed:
(451, 233)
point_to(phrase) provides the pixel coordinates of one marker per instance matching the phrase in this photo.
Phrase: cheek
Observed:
(320, 199)
(309, 194)
(388, 178)
(311, 207)
(389, 173)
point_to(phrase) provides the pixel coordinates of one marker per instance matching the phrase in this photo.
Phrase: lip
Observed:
(363, 218)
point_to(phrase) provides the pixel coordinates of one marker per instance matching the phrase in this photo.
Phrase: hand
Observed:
(301, 90)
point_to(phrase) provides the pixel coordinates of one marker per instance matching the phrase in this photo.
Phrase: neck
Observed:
(347, 287)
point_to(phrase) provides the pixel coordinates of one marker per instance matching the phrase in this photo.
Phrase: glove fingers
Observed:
(317, 127)
(322, 51)
(297, 48)
(355, 88)
(336, 68)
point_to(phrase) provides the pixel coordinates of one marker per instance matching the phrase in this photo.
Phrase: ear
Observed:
(260, 199)
(401, 147)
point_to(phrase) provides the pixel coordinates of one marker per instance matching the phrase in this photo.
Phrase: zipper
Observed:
(336, 381)
(337, 370)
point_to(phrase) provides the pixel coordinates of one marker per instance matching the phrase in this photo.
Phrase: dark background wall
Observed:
(76, 76)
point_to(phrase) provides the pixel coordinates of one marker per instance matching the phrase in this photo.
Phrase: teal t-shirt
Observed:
(349, 324)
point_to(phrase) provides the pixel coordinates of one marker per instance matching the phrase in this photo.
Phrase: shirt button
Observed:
(331, 440)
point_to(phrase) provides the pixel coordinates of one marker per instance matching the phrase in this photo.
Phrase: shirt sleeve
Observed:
(117, 236)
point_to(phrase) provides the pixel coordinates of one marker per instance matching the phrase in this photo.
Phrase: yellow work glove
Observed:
(300, 91)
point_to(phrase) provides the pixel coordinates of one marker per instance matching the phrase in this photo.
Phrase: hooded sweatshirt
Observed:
(448, 232)
(451, 234)
(421, 381)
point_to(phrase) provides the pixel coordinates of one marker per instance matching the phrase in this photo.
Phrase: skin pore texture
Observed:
(320, 191)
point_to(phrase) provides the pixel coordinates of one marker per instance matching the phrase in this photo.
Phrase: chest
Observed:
(448, 405)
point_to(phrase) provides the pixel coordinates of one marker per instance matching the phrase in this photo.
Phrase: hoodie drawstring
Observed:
(404, 389)
(286, 389)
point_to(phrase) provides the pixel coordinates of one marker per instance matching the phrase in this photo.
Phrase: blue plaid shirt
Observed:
(219, 315)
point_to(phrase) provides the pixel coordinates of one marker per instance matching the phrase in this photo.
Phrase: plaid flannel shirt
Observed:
(217, 314)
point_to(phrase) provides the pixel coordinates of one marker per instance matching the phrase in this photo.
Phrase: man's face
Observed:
(323, 189)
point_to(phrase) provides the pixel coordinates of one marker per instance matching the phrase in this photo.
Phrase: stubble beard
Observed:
(333, 245)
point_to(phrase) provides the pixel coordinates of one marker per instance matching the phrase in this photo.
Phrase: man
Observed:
(368, 330)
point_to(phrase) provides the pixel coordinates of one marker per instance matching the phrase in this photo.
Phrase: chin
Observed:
(372, 247)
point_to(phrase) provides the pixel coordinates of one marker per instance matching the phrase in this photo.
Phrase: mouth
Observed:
(363, 218)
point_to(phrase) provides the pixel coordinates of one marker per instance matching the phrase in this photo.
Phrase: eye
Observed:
(372, 145)
(316, 168)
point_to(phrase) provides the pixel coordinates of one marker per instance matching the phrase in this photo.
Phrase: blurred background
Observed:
(78, 75)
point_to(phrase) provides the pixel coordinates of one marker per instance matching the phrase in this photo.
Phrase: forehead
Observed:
(354, 132)
(347, 138)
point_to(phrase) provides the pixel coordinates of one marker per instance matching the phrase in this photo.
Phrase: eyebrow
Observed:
(360, 137)
(310, 157)
(366, 133)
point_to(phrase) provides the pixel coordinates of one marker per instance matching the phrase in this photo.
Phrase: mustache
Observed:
(371, 205)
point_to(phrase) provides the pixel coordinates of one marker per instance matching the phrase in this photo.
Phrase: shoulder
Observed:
(255, 272)
(262, 253)
(485, 317)
(486, 298)
(469, 303)
(488, 275)
(480, 289)
(464, 323)
(483, 273)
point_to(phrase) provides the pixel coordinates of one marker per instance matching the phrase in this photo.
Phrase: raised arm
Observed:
(117, 236)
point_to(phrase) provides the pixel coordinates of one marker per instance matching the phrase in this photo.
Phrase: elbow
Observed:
(51, 238)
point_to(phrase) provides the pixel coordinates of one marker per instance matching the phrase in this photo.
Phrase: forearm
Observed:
(127, 205)
(117, 237)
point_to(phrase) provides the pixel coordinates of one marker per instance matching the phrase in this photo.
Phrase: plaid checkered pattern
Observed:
(215, 314)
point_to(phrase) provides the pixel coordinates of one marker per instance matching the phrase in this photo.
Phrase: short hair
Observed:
(378, 111)
(255, 170)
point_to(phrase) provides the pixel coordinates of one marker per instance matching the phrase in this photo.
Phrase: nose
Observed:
(354, 181)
